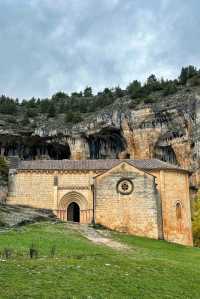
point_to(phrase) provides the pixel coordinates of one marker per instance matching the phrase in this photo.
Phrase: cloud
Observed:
(48, 46)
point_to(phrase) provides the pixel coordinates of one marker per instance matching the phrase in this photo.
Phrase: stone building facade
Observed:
(141, 197)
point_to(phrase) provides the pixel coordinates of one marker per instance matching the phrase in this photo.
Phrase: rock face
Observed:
(18, 215)
(167, 129)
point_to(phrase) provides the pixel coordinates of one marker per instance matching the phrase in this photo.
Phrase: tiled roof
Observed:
(13, 162)
(93, 164)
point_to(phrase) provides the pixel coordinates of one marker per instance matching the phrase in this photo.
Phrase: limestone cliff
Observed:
(168, 129)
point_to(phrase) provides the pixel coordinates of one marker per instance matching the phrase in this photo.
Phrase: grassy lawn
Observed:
(80, 269)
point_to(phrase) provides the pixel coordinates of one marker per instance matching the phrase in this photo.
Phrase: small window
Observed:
(55, 181)
(178, 211)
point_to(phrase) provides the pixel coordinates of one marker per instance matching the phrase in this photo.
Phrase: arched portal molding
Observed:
(73, 196)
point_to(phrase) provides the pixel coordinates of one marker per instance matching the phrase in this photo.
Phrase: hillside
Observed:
(159, 119)
(70, 266)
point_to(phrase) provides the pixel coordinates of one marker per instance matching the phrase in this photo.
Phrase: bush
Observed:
(149, 100)
(134, 89)
(3, 167)
(53, 251)
(194, 81)
(71, 117)
(7, 253)
(33, 252)
(169, 89)
(8, 109)
(51, 110)
(196, 221)
(31, 113)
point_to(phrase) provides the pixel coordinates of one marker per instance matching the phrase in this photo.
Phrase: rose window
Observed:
(125, 186)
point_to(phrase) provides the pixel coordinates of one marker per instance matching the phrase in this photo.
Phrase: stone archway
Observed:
(73, 206)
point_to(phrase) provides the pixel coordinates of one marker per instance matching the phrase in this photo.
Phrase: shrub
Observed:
(3, 167)
(53, 251)
(134, 89)
(71, 117)
(33, 252)
(196, 221)
(51, 110)
(194, 81)
(7, 253)
(169, 89)
(149, 100)
(31, 112)
(8, 107)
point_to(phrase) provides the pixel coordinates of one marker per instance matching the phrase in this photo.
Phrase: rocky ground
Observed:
(11, 216)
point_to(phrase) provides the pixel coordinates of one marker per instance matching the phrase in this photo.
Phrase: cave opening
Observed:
(34, 148)
(166, 154)
(107, 144)
(58, 151)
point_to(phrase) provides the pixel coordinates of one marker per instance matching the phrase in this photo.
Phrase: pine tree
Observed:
(51, 110)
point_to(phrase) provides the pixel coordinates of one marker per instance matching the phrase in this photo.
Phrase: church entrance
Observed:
(73, 212)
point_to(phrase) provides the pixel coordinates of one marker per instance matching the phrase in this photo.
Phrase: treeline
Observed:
(75, 105)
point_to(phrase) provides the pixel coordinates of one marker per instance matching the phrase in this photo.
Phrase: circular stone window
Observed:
(125, 186)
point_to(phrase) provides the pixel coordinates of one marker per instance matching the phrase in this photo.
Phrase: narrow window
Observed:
(178, 211)
(55, 181)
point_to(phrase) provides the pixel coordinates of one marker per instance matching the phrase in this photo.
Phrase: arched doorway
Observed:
(68, 212)
(73, 212)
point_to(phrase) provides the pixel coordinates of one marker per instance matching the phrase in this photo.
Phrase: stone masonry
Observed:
(141, 197)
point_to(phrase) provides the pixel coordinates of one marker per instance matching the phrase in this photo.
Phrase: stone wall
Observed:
(46, 190)
(174, 189)
(136, 213)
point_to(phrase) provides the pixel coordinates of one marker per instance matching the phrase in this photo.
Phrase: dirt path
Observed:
(101, 237)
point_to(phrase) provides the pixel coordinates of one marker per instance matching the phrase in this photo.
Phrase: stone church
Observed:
(142, 197)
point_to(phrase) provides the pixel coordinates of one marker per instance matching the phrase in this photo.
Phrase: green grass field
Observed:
(81, 269)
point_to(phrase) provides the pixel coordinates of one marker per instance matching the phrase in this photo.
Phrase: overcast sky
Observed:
(52, 45)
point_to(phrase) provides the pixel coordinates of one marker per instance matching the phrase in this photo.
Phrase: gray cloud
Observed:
(49, 45)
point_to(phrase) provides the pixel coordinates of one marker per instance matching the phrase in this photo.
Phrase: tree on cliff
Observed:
(134, 89)
(152, 84)
(71, 117)
(59, 96)
(187, 73)
(88, 92)
(51, 110)
(8, 105)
